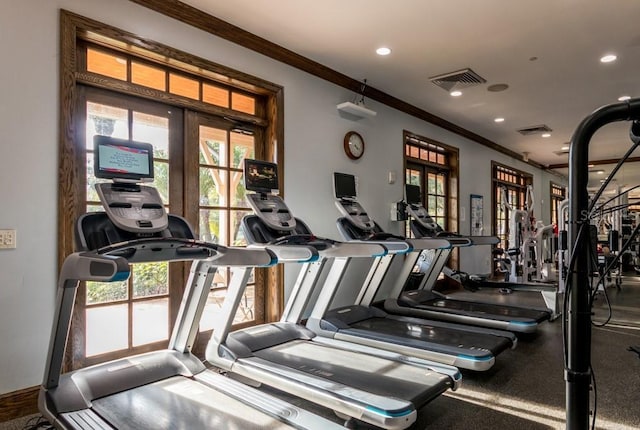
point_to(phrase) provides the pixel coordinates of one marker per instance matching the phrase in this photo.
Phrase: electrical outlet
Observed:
(7, 239)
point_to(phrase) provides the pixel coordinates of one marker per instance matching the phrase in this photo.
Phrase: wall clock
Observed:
(353, 145)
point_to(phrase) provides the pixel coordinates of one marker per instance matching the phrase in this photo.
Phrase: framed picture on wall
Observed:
(477, 221)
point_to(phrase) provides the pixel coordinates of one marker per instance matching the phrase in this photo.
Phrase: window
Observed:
(202, 129)
(427, 165)
(558, 194)
(512, 183)
(434, 167)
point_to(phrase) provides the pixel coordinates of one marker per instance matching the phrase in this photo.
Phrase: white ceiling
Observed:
(496, 38)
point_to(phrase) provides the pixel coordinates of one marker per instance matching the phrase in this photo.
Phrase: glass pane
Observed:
(215, 95)
(184, 86)
(107, 329)
(247, 306)
(104, 292)
(245, 312)
(150, 279)
(243, 103)
(431, 183)
(433, 157)
(154, 130)
(150, 321)
(440, 202)
(441, 159)
(242, 146)
(148, 76)
(107, 64)
(92, 195)
(440, 185)
(213, 187)
(413, 177)
(238, 238)
(238, 192)
(105, 120)
(415, 152)
(213, 146)
(209, 225)
(161, 179)
(424, 154)
(211, 310)
(431, 205)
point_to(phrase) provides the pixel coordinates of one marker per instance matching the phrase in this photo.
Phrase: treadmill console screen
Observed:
(120, 159)
(344, 185)
(260, 176)
(413, 194)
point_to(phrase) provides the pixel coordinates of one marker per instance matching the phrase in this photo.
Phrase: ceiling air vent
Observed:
(535, 129)
(457, 80)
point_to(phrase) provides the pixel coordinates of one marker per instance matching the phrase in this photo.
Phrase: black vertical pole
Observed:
(577, 372)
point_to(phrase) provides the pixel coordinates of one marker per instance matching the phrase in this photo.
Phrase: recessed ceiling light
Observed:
(499, 120)
(546, 134)
(600, 172)
(383, 51)
(592, 165)
(565, 148)
(623, 98)
(609, 58)
(455, 93)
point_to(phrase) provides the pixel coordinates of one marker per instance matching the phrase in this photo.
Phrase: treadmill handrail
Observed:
(394, 245)
(420, 244)
(289, 253)
(354, 249)
(189, 249)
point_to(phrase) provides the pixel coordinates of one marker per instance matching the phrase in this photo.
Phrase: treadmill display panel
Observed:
(260, 176)
(413, 194)
(123, 159)
(344, 185)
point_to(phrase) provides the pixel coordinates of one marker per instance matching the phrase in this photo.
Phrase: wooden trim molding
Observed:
(19, 403)
(196, 18)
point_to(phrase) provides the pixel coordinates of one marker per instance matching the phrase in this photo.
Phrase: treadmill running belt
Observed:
(179, 403)
(368, 373)
(482, 310)
(438, 339)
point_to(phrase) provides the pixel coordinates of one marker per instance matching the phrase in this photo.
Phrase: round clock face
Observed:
(353, 145)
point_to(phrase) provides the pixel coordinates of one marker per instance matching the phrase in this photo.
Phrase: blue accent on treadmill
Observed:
(389, 413)
(120, 276)
(523, 323)
(380, 255)
(469, 357)
(273, 262)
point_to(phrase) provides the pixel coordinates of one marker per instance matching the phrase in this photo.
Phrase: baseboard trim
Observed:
(19, 403)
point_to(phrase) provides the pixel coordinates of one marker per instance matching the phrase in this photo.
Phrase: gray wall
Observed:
(313, 150)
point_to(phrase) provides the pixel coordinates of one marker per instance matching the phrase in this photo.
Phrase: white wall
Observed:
(313, 150)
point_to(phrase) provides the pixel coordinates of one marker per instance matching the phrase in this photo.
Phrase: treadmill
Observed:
(466, 347)
(354, 384)
(166, 389)
(425, 302)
